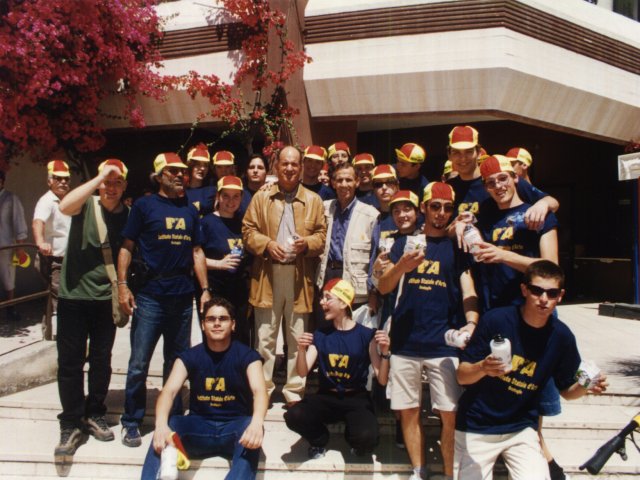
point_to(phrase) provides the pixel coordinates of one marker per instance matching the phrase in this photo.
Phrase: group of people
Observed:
(439, 270)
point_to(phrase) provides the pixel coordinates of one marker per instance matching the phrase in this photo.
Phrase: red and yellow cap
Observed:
(364, 159)
(463, 137)
(169, 159)
(482, 156)
(230, 182)
(223, 157)
(438, 190)
(495, 164)
(316, 152)
(405, 196)
(118, 163)
(448, 167)
(325, 168)
(59, 168)
(518, 154)
(411, 152)
(341, 289)
(383, 172)
(199, 153)
(338, 146)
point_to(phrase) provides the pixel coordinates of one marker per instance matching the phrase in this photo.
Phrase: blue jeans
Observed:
(204, 438)
(169, 316)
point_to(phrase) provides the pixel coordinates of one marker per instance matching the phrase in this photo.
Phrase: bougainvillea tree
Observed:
(60, 58)
(261, 30)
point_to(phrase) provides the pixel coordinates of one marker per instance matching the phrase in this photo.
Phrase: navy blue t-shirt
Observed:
(430, 300)
(219, 387)
(507, 404)
(165, 231)
(416, 185)
(501, 283)
(472, 196)
(343, 357)
(202, 198)
(325, 193)
(219, 236)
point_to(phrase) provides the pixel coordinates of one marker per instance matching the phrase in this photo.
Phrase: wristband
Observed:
(472, 323)
(386, 356)
(122, 282)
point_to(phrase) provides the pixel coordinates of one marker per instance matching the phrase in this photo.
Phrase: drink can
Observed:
(169, 463)
(587, 374)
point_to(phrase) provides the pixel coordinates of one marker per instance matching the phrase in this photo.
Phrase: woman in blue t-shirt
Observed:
(344, 351)
(226, 258)
(199, 192)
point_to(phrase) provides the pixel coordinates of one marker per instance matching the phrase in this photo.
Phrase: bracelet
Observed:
(386, 356)
(122, 282)
(472, 323)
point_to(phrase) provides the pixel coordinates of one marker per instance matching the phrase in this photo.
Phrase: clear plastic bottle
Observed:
(236, 250)
(501, 349)
(472, 238)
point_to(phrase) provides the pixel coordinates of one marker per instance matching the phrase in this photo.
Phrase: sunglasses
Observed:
(214, 319)
(388, 183)
(537, 291)
(174, 171)
(493, 183)
(60, 179)
(437, 206)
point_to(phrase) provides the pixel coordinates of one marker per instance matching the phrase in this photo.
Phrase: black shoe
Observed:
(131, 436)
(70, 439)
(97, 427)
(316, 452)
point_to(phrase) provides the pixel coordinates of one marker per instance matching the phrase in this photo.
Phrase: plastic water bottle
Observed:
(168, 463)
(501, 349)
(472, 238)
(236, 250)
(456, 338)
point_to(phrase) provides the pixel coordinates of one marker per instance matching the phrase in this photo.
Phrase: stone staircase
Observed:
(29, 432)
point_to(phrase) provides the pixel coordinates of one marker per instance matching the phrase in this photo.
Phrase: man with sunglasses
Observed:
(228, 399)
(165, 229)
(435, 293)
(497, 411)
(51, 232)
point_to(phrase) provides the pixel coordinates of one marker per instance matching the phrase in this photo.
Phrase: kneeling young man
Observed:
(228, 399)
(496, 413)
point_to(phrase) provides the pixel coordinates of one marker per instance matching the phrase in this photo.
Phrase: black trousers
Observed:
(310, 418)
(79, 321)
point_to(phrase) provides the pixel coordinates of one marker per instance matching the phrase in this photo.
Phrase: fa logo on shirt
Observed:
(234, 242)
(430, 267)
(338, 360)
(214, 383)
(472, 207)
(502, 233)
(175, 223)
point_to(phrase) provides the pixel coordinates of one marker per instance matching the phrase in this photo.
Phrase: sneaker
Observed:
(70, 439)
(399, 437)
(415, 476)
(316, 452)
(131, 436)
(96, 426)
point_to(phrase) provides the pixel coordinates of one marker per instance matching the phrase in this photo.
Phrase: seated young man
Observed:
(497, 412)
(344, 351)
(228, 399)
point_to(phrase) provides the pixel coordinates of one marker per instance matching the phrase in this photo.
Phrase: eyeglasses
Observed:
(537, 291)
(493, 183)
(174, 171)
(214, 319)
(60, 179)
(388, 183)
(437, 206)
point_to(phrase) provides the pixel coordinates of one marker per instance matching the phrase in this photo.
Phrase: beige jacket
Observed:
(260, 226)
(357, 247)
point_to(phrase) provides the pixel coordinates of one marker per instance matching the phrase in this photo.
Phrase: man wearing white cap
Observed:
(165, 228)
(13, 229)
(50, 232)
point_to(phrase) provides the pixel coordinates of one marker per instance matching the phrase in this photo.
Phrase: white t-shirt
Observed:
(56, 224)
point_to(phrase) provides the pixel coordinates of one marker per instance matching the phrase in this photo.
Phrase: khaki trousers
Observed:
(268, 325)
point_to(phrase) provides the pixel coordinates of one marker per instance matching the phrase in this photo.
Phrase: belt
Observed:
(334, 265)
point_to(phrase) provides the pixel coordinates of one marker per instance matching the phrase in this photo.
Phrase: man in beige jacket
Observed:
(285, 229)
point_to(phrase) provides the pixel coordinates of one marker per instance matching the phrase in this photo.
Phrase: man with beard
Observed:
(50, 232)
(165, 228)
(435, 293)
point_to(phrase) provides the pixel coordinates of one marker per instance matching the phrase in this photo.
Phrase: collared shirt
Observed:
(287, 228)
(339, 230)
(56, 223)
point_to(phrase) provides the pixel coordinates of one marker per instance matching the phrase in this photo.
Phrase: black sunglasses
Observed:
(552, 293)
(380, 184)
(437, 206)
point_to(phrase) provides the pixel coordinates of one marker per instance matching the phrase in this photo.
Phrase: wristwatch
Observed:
(208, 289)
(386, 356)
